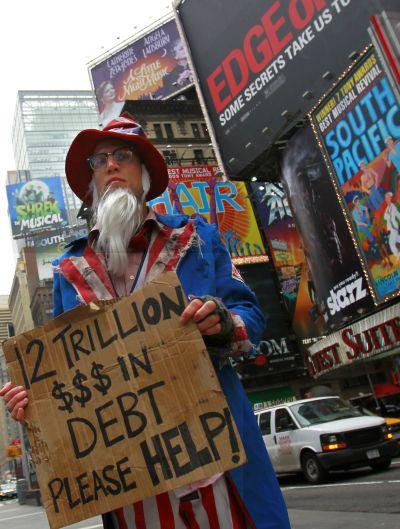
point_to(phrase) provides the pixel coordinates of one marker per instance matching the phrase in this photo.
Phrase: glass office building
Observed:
(45, 123)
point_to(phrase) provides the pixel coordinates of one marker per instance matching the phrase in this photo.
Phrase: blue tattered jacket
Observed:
(205, 267)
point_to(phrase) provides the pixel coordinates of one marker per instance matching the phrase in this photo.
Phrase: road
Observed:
(15, 516)
(358, 499)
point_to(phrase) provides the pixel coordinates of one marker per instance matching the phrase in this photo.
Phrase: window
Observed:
(181, 127)
(265, 423)
(199, 156)
(283, 420)
(158, 130)
(204, 129)
(195, 130)
(10, 329)
(323, 410)
(168, 130)
(170, 157)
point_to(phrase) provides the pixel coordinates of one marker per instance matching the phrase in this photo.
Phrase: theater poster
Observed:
(154, 66)
(197, 190)
(50, 245)
(36, 206)
(287, 253)
(358, 124)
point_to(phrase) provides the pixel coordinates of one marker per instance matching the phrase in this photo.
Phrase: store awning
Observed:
(384, 390)
(370, 338)
(270, 397)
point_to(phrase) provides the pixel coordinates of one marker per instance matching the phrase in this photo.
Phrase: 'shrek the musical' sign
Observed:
(124, 403)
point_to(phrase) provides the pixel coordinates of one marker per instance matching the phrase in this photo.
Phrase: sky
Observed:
(46, 45)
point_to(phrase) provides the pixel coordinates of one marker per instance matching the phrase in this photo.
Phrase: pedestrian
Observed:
(116, 171)
(392, 218)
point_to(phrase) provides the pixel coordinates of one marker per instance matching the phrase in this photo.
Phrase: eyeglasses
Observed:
(100, 160)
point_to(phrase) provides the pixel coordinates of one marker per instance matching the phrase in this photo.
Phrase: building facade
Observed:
(42, 303)
(23, 287)
(45, 123)
(177, 128)
(8, 427)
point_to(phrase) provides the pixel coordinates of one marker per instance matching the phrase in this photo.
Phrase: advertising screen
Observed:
(358, 124)
(262, 65)
(153, 67)
(335, 273)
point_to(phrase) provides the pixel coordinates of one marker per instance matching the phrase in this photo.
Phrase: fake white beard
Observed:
(119, 217)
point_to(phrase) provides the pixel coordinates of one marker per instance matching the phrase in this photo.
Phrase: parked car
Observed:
(317, 435)
(8, 491)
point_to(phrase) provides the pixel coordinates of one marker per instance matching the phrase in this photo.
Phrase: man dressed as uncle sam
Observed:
(115, 171)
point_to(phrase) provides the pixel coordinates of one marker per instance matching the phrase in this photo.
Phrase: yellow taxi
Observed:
(393, 424)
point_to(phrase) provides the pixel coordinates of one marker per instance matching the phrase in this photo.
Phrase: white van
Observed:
(316, 435)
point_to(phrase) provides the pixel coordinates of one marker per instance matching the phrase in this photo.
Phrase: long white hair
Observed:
(119, 214)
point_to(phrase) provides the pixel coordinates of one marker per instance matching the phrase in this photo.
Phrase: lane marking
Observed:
(352, 484)
(22, 516)
(92, 526)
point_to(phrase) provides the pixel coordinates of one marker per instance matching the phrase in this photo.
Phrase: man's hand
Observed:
(16, 399)
(203, 314)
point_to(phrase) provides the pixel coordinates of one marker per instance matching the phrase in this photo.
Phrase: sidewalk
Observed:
(340, 520)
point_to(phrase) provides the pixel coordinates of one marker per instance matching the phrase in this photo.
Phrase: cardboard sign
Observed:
(124, 403)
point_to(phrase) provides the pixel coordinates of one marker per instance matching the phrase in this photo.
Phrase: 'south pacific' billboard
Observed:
(358, 123)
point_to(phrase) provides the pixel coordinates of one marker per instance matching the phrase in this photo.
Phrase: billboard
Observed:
(266, 70)
(36, 205)
(287, 254)
(153, 67)
(340, 285)
(278, 347)
(50, 245)
(358, 124)
(197, 190)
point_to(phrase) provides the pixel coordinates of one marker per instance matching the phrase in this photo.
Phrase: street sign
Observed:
(124, 403)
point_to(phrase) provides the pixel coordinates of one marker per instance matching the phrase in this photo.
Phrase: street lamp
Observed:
(188, 146)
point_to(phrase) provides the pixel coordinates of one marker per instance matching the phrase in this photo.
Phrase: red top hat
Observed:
(79, 174)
